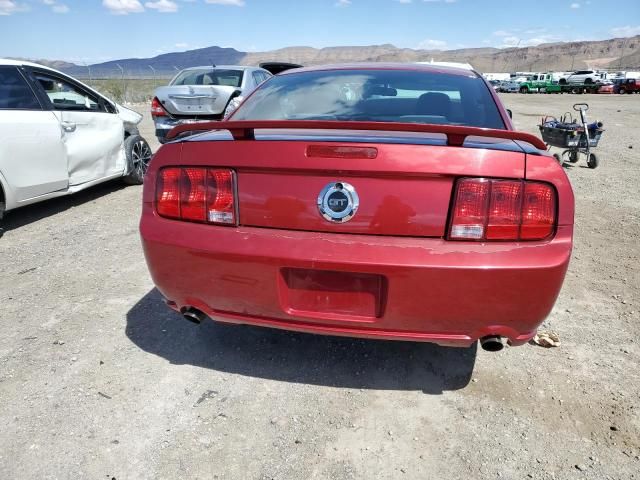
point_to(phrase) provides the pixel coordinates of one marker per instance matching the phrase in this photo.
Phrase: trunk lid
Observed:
(194, 100)
(403, 189)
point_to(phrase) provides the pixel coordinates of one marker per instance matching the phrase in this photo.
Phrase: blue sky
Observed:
(99, 30)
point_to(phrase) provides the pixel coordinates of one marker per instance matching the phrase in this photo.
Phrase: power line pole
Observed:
(154, 75)
(90, 77)
(124, 87)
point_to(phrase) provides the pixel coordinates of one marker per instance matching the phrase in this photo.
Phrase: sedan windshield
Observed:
(375, 95)
(209, 76)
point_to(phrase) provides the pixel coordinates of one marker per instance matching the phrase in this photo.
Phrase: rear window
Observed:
(375, 95)
(230, 78)
(15, 93)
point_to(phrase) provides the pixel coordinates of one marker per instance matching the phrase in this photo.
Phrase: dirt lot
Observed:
(99, 380)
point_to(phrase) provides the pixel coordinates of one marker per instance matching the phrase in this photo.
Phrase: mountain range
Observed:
(616, 53)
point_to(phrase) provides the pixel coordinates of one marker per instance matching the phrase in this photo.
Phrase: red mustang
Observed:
(379, 201)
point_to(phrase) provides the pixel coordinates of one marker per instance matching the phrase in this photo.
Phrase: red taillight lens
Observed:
(193, 193)
(168, 193)
(220, 199)
(157, 110)
(469, 209)
(538, 211)
(485, 209)
(504, 210)
(196, 194)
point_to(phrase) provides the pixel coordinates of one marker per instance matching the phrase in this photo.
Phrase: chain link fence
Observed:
(123, 86)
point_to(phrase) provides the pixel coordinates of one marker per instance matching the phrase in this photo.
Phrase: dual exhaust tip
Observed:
(490, 343)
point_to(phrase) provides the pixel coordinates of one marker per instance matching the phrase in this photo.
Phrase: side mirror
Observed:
(510, 113)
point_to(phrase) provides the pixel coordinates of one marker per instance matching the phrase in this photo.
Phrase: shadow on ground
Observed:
(297, 358)
(32, 213)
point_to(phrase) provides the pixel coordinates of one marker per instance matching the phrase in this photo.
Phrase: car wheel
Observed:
(588, 81)
(622, 91)
(593, 161)
(524, 90)
(138, 155)
(2, 207)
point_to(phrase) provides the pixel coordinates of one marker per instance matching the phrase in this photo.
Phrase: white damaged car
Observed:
(59, 136)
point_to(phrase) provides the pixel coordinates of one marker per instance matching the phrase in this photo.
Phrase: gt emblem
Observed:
(338, 202)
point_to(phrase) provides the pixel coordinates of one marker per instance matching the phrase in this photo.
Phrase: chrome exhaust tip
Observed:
(193, 315)
(492, 343)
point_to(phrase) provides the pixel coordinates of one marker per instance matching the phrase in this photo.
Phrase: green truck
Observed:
(539, 82)
(546, 83)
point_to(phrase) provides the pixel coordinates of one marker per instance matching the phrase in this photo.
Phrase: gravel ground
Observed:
(99, 380)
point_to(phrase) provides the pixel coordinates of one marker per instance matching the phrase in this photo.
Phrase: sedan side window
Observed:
(15, 93)
(66, 96)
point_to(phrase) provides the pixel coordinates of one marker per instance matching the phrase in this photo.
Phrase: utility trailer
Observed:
(556, 87)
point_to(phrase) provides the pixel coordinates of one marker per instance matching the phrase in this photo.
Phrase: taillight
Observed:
(196, 194)
(486, 209)
(157, 110)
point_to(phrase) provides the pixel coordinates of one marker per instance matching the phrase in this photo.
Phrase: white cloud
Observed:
(403, 1)
(233, 3)
(56, 7)
(343, 3)
(164, 6)
(430, 44)
(123, 7)
(626, 31)
(439, 1)
(575, 5)
(7, 7)
(501, 33)
(532, 42)
(182, 45)
(510, 40)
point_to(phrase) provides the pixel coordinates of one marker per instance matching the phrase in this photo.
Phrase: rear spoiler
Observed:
(245, 129)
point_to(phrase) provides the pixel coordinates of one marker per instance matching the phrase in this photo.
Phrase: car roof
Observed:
(11, 61)
(222, 67)
(408, 67)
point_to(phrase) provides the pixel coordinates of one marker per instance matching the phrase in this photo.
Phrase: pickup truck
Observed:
(628, 85)
(538, 82)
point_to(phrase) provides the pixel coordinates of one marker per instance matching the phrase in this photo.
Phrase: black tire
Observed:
(622, 91)
(138, 155)
(588, 81)
(592, 162)
(524, 90)
(573, 156)
(562, 81)
(2, 207)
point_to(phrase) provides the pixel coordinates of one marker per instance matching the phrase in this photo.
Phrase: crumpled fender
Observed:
(129, 117)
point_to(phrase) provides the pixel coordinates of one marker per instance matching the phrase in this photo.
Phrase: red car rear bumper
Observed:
(418, 289)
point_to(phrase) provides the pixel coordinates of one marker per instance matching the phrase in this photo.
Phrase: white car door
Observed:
(92, 132)
(32, 157)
